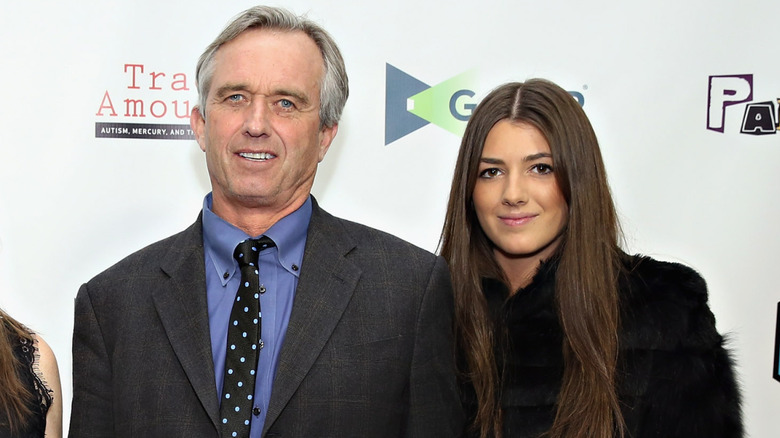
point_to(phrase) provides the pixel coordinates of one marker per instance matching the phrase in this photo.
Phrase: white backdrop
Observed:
(684, 192)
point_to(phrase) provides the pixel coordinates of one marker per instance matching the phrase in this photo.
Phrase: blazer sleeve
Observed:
(690, 388)
(91, 411)
(434, 407)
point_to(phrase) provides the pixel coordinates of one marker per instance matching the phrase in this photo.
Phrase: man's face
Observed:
(261, 129)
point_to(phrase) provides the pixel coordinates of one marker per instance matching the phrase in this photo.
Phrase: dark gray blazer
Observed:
(368, 350)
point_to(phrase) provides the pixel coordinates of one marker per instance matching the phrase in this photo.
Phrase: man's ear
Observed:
(198, 125)
(327, 134)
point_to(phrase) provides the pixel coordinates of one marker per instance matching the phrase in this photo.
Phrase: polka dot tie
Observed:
(243, 343)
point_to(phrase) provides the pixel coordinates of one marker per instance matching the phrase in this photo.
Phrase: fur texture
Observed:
(675, 377)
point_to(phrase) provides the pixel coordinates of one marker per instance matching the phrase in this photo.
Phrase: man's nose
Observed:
(256, 123)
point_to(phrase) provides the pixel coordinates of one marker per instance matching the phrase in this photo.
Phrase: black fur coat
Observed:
(675, 377)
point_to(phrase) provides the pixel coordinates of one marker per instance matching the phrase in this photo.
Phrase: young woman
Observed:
(560, 332)
(30, 396)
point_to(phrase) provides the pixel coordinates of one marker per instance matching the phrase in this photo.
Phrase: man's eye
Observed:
(235, 97)
(285, 103)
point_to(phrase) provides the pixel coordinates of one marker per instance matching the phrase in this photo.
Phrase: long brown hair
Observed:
(15, 398)
(586, 278)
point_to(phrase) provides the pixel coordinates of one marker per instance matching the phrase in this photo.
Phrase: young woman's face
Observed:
(516, 197)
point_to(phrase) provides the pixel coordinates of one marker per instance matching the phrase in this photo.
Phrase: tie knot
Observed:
(247, 251)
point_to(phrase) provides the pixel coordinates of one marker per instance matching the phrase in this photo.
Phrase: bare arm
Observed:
(47, 365)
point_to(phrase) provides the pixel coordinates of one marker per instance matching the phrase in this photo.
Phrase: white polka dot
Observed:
(237, 409)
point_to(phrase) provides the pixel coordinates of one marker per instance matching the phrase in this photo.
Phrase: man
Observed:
(354, 332)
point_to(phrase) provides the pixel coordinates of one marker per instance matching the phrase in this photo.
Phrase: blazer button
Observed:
(256, 411)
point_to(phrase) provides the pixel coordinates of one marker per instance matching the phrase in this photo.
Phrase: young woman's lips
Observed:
(517, 220)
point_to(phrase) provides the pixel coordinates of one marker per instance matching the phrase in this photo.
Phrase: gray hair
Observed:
(334, 85)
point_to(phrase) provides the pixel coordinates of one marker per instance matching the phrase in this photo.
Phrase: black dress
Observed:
(675, 379)
(27, 353)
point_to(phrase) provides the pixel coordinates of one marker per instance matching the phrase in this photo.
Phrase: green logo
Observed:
(411, 104)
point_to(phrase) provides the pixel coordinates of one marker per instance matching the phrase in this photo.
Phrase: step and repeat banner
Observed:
(97, 158)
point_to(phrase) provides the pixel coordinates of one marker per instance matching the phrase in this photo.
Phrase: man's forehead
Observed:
(269, 54)
(295, 42)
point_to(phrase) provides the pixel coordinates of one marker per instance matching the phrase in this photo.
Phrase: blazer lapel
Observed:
(325, 287)
(181, 305)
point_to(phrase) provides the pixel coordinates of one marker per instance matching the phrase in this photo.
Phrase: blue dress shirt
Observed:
(279, 269)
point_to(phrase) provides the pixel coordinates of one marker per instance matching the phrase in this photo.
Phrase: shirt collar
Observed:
(221, 237)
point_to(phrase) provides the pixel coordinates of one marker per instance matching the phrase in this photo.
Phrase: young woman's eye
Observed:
(490, 173)
(542, 168)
